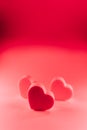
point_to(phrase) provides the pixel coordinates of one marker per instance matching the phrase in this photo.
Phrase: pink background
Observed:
(43, 63)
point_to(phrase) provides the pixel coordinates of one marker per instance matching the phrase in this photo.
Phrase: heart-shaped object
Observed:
(38, 99)
(61, 90)
(24, 85)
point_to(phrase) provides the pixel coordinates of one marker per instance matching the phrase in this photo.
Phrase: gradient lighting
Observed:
(44, 39)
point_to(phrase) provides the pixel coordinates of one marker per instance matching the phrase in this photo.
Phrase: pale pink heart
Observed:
(24, 85)
(61, 90)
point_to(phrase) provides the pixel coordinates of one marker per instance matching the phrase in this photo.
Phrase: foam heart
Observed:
(61, 90)
(24, 84)
(38, 99)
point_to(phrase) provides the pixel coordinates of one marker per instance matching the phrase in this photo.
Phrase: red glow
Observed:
(48, 19)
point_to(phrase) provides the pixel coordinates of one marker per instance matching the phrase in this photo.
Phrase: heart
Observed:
(61, 90)
(24, 85)
(38, 99)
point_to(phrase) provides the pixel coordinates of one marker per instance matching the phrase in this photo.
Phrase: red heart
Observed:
(61, 90)
(38, 99)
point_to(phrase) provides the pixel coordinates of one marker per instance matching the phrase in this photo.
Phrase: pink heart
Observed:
(61, 90)
(38, 99)
(24, 85)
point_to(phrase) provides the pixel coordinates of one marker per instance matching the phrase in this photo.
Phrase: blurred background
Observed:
(59, 20)
(61, 23)
(56, 32)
